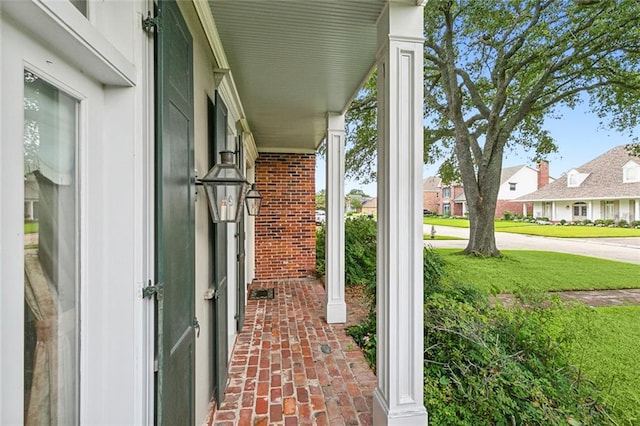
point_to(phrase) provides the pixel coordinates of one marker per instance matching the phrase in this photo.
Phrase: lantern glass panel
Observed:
(253, 200)
(225, 188)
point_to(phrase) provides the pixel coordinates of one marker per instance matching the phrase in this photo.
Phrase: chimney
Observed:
(543, 173)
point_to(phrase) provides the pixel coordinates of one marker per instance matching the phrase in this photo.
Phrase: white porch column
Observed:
(398, 399)
(336, 308)
(636, 210)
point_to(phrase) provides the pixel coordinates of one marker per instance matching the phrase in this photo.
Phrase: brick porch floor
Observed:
(289, 367)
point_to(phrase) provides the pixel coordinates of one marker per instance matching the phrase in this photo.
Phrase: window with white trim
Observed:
(631, 172)
(51, 265)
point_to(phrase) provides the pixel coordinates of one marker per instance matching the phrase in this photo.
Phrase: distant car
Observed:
(426, 212)
(321, 217)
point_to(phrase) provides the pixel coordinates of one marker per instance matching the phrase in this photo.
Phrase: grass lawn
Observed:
(441, 237)
(607, 352)
(30, 227)
(606, 348)
(540, 270)
(448, 221)
(542, 230)
(571, 231)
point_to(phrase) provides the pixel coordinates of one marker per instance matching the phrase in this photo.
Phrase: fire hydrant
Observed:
(433, 232)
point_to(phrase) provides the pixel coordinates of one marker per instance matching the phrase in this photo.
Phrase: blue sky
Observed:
(578, 135)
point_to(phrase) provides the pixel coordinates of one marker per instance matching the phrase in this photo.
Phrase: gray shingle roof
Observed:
(604, 181)
(431, 183)
(508, 172)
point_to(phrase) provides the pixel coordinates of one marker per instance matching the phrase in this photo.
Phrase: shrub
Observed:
(623, 223)
(364, 334)
(486, 364)
(360, 251)
(507, 215)
(321, 234)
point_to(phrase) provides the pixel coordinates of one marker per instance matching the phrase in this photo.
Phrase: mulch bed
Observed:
(357, 304)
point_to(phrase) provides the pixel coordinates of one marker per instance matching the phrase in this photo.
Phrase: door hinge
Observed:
(150, 24)
(153, 290)
(156, 365)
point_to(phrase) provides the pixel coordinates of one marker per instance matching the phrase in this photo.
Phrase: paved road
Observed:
(620, 249)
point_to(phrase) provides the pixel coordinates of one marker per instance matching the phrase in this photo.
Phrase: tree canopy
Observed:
(494, 70)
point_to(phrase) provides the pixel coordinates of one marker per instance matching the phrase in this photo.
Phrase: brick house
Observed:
(453, 200)
(515, 182)
(370, 206)
(431, 194)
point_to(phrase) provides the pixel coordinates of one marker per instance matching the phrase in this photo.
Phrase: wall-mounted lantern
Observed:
(253, 200)
(225, 188)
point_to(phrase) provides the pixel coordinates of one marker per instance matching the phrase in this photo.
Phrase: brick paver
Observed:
(289, 367)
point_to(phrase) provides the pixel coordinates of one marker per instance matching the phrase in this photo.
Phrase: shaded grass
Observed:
(539, 270)
(606, 351)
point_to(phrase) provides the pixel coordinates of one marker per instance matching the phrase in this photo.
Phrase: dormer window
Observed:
(575, 178)
(631, 172)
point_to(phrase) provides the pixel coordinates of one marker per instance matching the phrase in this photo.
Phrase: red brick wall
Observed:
(431, 201)
(543, 174)
(286, 229)
(513, 207)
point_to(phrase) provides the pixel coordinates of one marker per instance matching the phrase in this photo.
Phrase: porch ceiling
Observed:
(292, 61)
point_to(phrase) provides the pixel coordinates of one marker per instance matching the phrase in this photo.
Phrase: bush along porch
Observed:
(484, 363)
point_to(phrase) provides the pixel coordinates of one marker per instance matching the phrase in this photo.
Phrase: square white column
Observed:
(336, 308)
(398, 398)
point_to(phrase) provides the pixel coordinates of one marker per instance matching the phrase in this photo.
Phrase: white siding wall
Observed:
(526, 180)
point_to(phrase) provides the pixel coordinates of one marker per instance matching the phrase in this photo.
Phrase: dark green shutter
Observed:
(175, 265)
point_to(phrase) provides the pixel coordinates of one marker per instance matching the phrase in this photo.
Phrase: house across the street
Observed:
(606, 188)
(515, 182)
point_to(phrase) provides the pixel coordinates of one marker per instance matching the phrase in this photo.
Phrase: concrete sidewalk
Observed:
(618, 249)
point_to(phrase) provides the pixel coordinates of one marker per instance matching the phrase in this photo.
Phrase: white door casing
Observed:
(110, 176)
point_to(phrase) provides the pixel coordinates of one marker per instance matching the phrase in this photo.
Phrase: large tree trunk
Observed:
(481, 191)
(482, 239)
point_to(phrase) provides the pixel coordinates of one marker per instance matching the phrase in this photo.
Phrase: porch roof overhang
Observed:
(294, 61)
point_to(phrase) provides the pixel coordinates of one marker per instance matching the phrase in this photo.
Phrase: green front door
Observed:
(175, 266)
